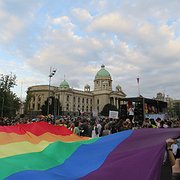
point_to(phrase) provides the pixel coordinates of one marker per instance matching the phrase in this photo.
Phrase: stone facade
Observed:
(72, 100)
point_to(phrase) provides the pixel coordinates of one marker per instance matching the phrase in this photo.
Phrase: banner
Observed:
(113, 114)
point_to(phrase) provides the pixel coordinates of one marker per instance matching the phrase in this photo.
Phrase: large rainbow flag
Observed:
(43, 151)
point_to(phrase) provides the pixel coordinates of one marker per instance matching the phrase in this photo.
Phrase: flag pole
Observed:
(138, 86)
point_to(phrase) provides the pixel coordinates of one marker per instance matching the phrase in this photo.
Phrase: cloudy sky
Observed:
(132, 38)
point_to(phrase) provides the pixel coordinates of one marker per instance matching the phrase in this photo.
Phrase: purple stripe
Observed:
(138, 157)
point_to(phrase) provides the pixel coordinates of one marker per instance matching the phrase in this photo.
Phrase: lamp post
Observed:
(51, 74)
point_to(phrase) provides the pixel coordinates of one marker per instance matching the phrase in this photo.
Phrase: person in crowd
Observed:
(131, 113)
(76, 128)
(71, 127)
(106, 130)
(99, 126)
(158, 120)
(153, 123)
(169, 159)
(95, 132)
(161, 124)
(176, 167)
(84, 131)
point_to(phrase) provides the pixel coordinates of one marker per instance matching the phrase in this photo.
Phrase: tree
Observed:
(27, 101)
(177, 109)
(54, 106)
(9, 102)
(107, 108)
(7, 82)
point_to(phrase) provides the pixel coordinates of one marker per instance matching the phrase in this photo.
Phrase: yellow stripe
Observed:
(21, 148)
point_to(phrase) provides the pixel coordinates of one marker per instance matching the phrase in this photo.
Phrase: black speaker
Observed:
(123, 111)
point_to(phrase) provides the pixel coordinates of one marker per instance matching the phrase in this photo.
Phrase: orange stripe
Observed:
(6, 138)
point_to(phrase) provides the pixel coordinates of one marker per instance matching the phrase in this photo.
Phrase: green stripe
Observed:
(53, 155)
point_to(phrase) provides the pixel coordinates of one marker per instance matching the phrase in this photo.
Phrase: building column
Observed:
(36, 103)
(114, 101)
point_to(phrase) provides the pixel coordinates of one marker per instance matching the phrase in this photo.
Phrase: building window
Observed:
(98, 109)
(78, 99)
(87, 101)
(67, 97)
(67, 107)
(82, 100)
(74, 99)
(33, 106)
(91, 101)
(87, 108)
(39, 98)
(39, 106)
(97, 101)
(83, 108)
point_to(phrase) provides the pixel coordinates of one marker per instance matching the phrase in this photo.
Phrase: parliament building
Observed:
(72, 100)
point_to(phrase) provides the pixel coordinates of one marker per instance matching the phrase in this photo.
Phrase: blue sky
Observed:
(133, 38)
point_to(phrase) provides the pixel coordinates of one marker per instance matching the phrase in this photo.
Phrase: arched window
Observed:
(39, 106)
(67, 97)
(97, 101)
(67, 107)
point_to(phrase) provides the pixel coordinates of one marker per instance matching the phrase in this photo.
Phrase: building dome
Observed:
(103, 73)
(64, 84)
(87, 86)
(118, 88)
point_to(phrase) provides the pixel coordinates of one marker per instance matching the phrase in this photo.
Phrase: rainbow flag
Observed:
(43, 151)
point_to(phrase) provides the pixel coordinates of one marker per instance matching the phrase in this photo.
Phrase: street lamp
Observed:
(51, 74)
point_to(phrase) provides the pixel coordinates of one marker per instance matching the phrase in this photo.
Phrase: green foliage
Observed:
(9, 102)
(27, 101)
(177, 110)
(7, 82)
(54, 107)
(107, 108)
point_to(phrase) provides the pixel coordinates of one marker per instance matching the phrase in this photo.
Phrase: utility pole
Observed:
(52, 72)
(138, 86)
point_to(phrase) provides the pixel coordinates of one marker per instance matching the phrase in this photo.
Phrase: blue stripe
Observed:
(86, 159)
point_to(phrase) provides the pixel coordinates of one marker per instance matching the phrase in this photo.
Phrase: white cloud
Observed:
(112, 22)
(10, 27)
(132, 38)
(82, 14)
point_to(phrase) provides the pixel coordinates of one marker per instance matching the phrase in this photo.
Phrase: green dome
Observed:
(103, 73)
(64, 84)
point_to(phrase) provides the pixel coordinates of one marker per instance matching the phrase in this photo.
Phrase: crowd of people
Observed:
(95, 126)
(102, 126)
